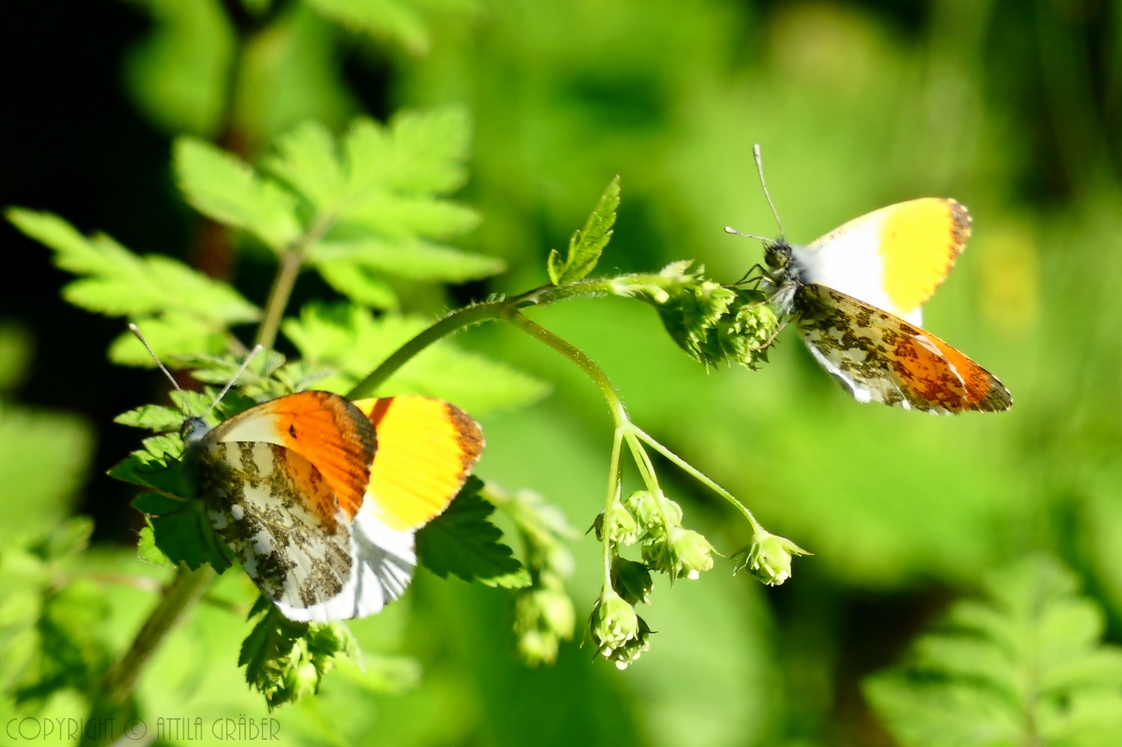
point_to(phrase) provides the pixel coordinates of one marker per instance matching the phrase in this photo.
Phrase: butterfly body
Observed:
(857, 295)
(319, 497)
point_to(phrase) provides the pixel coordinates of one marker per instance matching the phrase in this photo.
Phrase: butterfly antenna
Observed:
(760, 170)
(734, 232)
(252, 354)
(136, 331)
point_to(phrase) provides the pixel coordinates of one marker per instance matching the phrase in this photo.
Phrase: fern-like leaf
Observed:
(1024, 666)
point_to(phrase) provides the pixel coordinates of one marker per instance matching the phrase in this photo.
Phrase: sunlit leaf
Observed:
(414, 260)
(588, 243)
(228, 190)
(463, 542)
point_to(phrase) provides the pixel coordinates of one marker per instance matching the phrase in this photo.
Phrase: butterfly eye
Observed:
(775, 257)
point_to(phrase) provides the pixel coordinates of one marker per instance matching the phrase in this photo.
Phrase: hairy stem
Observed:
(182, 594)
(454, 322)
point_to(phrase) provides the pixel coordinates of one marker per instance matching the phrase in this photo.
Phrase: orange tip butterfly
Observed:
(320, 497)
(857, 295)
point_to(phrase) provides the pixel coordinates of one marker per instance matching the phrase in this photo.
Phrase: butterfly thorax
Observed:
(783, 276)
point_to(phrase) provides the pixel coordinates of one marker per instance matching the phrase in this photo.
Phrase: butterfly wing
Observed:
(278, 514)
(319, 497)
(323, 428)
(893, 258)
(879, 357)
(426, 449)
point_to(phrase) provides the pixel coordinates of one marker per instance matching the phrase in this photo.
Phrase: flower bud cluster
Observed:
(618, 633)
(666, 546)
(713, 323)
(653, 521)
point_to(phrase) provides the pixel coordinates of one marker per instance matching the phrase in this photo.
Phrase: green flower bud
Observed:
(683, 552)
(618, 525)
(632, 580)
(650, 509)
(628, 653)
(768, 558)
(612, 624)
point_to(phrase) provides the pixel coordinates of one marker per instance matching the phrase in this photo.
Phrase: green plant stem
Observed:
(615, 404)
(615, 488)
(454, 322)
(699, 476)
(490, 311)
(182, 594)
(623, 427)
(285, 279)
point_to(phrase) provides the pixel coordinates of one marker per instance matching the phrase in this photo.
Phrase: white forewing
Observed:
(848, 259)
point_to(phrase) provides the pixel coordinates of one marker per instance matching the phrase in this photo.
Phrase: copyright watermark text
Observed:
(241, 729)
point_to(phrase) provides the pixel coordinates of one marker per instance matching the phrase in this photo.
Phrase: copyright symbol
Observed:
(135, 729)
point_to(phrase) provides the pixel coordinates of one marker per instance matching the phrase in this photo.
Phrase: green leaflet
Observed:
(396, 20)
(463, 542)
(1023, 666)
(285, 660)
(224, 188)
(588, 243)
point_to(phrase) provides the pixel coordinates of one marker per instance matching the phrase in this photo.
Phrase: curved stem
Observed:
(615, 404)
(699, 476)
(450, 324)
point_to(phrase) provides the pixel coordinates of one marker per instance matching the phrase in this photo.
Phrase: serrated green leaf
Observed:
(396, 216)
(380, 19)
(117, 282)
(307, 161)
(1025, 666)
(156, 467)
(170, 336)
(158, 504)
(146, 548)
(588, 243)
(413, 260)
(357, 283)
(156, 418)
(463, 542)
(223, 187)
(186, 536)
(350, 340)
(278, 651)
(420, 153)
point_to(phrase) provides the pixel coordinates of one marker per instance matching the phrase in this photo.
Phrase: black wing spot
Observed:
(292, 430)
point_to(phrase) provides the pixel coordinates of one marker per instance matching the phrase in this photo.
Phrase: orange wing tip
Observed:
(960, 227)
(426, 449)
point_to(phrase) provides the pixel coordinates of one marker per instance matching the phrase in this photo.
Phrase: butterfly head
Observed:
(193, 430)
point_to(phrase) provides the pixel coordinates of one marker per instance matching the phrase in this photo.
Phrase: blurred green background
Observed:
(1013, 107)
